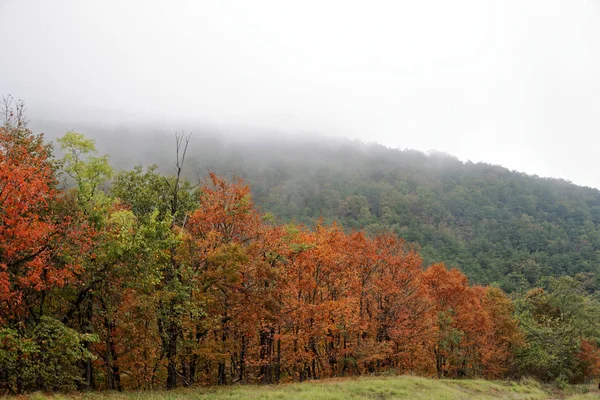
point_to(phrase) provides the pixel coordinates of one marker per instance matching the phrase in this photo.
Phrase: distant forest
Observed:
(498, 226)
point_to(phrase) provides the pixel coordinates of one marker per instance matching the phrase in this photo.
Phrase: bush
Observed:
(48, 357)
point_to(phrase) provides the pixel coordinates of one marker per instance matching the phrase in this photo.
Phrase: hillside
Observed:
(498, 226)
(135, 279)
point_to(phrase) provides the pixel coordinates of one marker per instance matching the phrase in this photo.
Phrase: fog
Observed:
(507, 82)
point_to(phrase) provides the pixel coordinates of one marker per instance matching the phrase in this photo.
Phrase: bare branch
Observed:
(13, 113)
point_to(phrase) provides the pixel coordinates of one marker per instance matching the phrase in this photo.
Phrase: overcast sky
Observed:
(510, 82)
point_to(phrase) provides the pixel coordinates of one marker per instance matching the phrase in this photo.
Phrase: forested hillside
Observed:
(136, 279)
(496, 225)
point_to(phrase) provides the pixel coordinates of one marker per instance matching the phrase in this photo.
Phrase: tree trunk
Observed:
(113, 374)
(172, 332)
(222, 375)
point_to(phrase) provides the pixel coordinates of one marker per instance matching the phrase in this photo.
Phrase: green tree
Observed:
(555, 321)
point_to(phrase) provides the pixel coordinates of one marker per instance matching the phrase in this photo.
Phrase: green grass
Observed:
(367, 388)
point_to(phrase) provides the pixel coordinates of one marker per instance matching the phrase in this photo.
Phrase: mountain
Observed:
(498, 226)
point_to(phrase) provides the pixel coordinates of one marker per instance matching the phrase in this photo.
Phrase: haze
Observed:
(507, 82)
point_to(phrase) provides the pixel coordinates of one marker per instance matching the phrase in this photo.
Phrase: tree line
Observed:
(134, 279)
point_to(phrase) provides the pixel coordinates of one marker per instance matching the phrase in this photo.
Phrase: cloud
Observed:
(513, 83)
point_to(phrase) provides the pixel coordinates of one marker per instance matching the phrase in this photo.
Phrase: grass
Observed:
(367, 388)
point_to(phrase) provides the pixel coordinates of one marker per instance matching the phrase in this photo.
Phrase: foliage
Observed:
(88, 173)
(45, 358)
(31, 233)
(561, 329)
(156, 282)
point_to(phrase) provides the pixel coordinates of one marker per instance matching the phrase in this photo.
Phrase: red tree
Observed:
(28, 230)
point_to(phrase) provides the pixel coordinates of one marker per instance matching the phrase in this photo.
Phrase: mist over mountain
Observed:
(498, 226)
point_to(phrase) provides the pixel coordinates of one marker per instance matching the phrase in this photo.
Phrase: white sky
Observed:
(510, 82)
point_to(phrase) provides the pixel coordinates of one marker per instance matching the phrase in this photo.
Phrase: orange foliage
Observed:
(589, 357)
(30, 233)
(290, 303)
(263, 303)
(476, 334)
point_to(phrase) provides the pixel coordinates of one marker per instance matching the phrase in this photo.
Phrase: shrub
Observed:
(48, 357)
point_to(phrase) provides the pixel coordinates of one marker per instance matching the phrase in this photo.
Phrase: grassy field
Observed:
(379, 388)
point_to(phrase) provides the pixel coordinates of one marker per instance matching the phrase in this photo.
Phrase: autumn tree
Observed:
(35, 260)
(475, 333)
(28, 191)
(232, 267)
